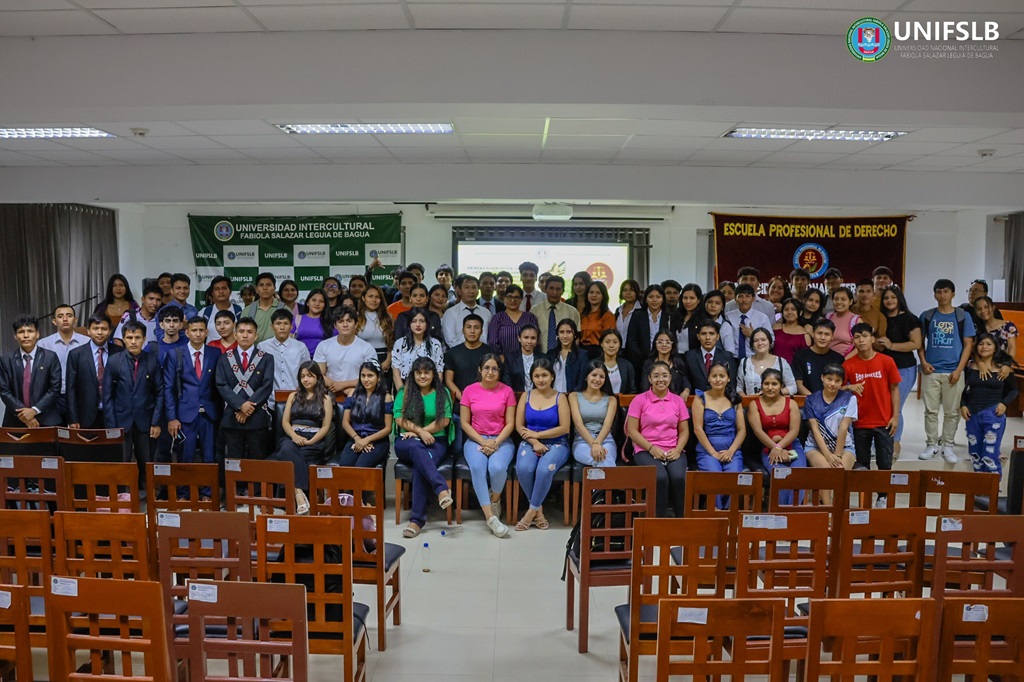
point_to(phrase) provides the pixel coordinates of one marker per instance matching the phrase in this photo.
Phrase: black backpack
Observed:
(618, 520)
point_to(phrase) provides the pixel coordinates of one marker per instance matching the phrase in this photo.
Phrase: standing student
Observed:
(220, 294)
(374, 324)
(437, 303)
(289, 354)
(978, 288)
(698, 361)
(164, 282)
(568, 361)
(62, 342)
(809, 363)
(417, 343)
(778, 291)
(830, 413)
(488, 409)
(462, 367)
(248, 294)
(517, 367)
(902, 338)
(878, 399)
(84, 380)
(751, 277)
(844, 321)
(580, 281)
(948, 335)
(367, 420)
(117, 301)
(775, 421)
(728, 290)
(30, 379)
(490, 298)
(288, 294)
(552, 312)
(989, 320)
(814, 307)
(133, 396)
(224, 323)
(420, 298)
(833, 283)
(503, 332)
(673, 290)
(261, 310)
(714, 310)
(181, 290)
(357, 285)
(745, 318)
(171, 323)
(866, 306)
(341, 357)
(687, 317)
(406, 281)
(152, 299)
(593, 409)
(621, 377)
(644, 325)
(799, 281)
(531, 295)
(467, 287)
(595, 319)
(717, 423)
(444, 276)
(790, 335)
(245, 381)
(315, 324)
(504, 278)
(629, 294)
(984, 402)
(333, 289)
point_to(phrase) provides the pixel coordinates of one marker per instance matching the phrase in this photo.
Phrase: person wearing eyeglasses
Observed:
(978, 289)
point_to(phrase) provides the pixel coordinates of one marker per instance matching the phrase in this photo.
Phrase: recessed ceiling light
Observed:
(367, 128)
(814, 134)
(26, 133)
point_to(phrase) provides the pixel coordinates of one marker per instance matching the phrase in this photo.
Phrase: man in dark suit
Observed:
(87, 366)
(488, 298)
(516, 373)
(698, 361)
(245, 380)
(190, 394)
(30, 379)
(133, 397)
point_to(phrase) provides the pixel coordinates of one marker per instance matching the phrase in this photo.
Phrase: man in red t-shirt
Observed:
(875, 379)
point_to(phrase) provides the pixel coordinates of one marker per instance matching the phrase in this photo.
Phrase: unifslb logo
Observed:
(868, 39)
(224, 230)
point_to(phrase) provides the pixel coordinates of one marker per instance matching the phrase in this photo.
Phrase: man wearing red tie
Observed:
(190, 395)
(245, 380)
(488, 299)
(84, 377)
(30, 379)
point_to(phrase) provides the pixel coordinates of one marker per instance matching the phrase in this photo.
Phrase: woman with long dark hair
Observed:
(595, 319)
(593, 410)
(332, 291)
(664, 350)
(621, 376)
(790, 335)
(644, 325)
(568, 361)
(687, 317)
(419, 297)
(580, 282)
(984, 402)
(902, 338)
(315, 324)
(375, 326)
(288, 294)
(629, 294)
(775, 421)
(423, 415)
(814, 308)
(416, 343)
(117, 301)
(367, 419)
(714, 310)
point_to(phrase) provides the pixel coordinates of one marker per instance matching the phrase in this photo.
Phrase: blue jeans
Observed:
(908, 375)
(482, 467)
(424, 461)
(581, 452)
(785, 496)
(984, 436)
(537, 473)
(705, 462)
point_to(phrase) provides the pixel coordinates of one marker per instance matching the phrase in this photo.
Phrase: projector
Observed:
(552, 212)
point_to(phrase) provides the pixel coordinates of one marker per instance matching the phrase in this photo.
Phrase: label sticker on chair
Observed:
(49, 463)
(6, 462)
(782, 472)
(752, 521)
(63, 433)
(860, 518)
(161, 469)
(975, 613)
(325, 472)
(67, 587)
(949, 523)
(232, 465)
(899, 479)
(5, 599)
(168, 520)
(206, 593)
(699, 616)
(277, 525)
(113, 433)
(595, 474)
(779, 522)
(744, 479)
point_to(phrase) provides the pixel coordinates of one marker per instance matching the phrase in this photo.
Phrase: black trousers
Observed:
(883, 442)
(140, 446)
(245, 443)
(671, 482)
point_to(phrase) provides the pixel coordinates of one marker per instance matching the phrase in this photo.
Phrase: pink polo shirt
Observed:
(659, 418)
(487, 408)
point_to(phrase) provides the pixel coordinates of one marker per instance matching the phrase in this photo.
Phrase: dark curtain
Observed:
(1013, 257)
(53, 254)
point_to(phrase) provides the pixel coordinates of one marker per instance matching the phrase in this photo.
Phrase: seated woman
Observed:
(657, 425)
(306, 422)
(830, 414)
(984, 402)
(487, 412)
(542, 420)
(717, 424)
(423, 414)
(663, 350)
(620, 372)
(417, 343)
(593, 416)
(775, 420)
(568, 361)
(366, 418)
(752, 368)
(790, 334)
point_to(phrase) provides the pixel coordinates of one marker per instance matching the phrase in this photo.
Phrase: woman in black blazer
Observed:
(664, 349)
(638, 335)
(621, 375)
(568, 360)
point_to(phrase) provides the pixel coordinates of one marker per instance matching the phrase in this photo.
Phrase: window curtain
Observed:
(1013, 257)
(53, 254)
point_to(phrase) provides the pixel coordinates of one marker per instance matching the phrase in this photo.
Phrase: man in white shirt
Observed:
(451, 324)
(751, 276)
(553, 311)
(220, 292)
(746, 319)
(63, 341)
(531, 295)
(341, 357)
(288, 353)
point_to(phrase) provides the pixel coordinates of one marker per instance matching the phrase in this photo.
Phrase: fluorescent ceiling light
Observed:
(26, 133)
(367, 128)
(812, 134)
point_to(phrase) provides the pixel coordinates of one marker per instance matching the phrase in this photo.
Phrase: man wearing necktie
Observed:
(746, 319)
(488, 299)
(245, 381)
(554, 310)
(467, 287)
(30, 379)
(698, 361)
(87, 366)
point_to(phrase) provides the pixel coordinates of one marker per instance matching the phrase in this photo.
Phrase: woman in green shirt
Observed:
(423, 413)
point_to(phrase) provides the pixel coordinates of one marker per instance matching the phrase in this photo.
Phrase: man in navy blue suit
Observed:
(86, 366)
(133, 396)
(30, 379)
(245, 380)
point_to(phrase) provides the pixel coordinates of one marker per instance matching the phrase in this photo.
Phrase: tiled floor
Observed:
(494, 609)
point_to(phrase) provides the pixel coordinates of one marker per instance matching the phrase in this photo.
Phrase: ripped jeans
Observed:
(984, 436)
(536, 473)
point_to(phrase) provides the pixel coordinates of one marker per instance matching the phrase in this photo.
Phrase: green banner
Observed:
(304, 249)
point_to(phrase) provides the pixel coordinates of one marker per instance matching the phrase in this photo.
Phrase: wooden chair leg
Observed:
(509, 488)
(566, 499)
(515, 502)
(570, 596)
(460, 487)
(382, 617)
(398, 501)
(584, 639)
(576, 488)
(396, 594)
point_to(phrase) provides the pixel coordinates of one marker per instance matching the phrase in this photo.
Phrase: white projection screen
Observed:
(608, 263)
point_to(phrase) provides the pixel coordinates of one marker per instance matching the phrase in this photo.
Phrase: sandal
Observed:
(526, 521)
(301, 503)
(445, 499)
(411, 531)
(542, 523)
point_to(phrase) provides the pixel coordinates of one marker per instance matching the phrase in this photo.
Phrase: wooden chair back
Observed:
(95, 545)
(813, 490)
(267, 487)
(979, 556)
(898, 629)
(15, 645)
(901, 488)
(266, 630)
(102, 487)
(953, 493)
(612, 500)
(40, 441)
(881, 554)
(32, 482)
(26, 557)
(185, 484)
(741, 494)
(982, 639)
(91, 445)
(356, 492)
(703, 630)
(109, 620)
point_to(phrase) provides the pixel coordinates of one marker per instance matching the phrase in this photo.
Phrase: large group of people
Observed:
(512, 373)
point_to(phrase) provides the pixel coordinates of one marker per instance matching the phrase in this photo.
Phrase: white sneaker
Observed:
(881, 502)
(948, 454)
(497, 527)
(929, 452)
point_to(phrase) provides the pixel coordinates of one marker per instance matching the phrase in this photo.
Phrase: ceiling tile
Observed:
(829, 146)
(442, 154)
(808, 159)
(591, 126)
(507, 141)
(254, 141)
(578, 154)
(747, 144)
(912, 166)
(937, 161)
(230, 127)
(496, 16)
(356, 154)
(674, 3)
(872, 161)
(915, 148)
(331, 141)
(151, 4)
(99, 144)
(1009, 137)
(979, 169)
(499, 154)
(28, 161)
(665, 142)
(31, 145)
(183, 142)
(971, 150)
(674, 155)
(1014, 162)
(951, 134)
(65, 155)
(688, 128)
(807, 21)
(52, 23)
(147, 157)
(499, 126)
(418, 140)
(189, 20)
(332, 17)
(297, 153)
(645, 17)
(720, 157)
(210, 154)
(154, 128)
(585, 141)
(6, 157)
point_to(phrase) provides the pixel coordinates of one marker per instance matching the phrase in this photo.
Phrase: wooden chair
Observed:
(462, 480)
(41, 441)
(612, 499)
(109, 620)
(655, 576)
(952, 493)
(812, 490)
(264, 630)
(26, 560)
(32, 482)
(96, 545)
(880, 555)
(198, 546)
(563, 476)
(259, 487)
(15, 645)
(91, 445)
(197, 489)
(982, 639)
(403, 486)
(703, 631)
(901, 489)
(899, 629)
(104, 487)
(316, 551)
(363, 490)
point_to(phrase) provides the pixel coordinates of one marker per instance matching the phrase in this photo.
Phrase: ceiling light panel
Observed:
(814, 134)
(50, 133)
(367, 128)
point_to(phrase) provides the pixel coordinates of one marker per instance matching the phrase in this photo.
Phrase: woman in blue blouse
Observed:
(367, 420)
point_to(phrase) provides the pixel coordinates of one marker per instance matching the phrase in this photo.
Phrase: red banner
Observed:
(776, 245)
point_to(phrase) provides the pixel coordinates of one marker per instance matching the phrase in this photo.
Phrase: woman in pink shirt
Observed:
(657, 425)
(488, 411)
(843, 319)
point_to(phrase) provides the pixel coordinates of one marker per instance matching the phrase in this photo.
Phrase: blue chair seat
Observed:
(359, 613)
(392, 553)
(789, 632)
(603, 565)
(677, 554)
(982, 503)
(648, 614)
